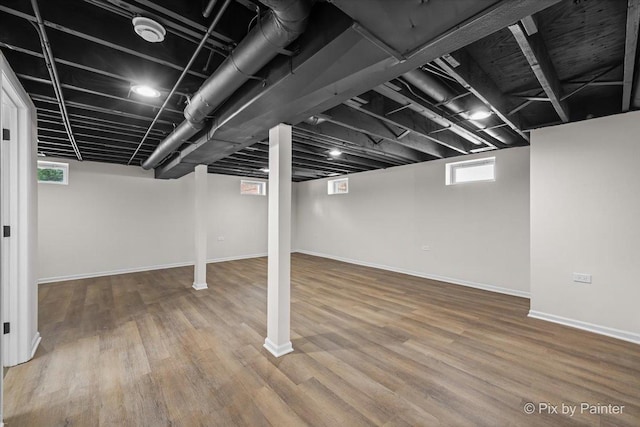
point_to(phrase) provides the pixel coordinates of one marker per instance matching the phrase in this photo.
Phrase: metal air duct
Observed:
(284, 23)
(440, 93)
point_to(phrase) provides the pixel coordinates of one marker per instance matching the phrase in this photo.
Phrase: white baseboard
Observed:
(141, 269)
(35, 342)
(278, 350)
(237, 257)
(200, 286)
(111, 272)
(602, 330)
(451, 280)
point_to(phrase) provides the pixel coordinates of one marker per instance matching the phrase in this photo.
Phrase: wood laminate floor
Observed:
(371, 348)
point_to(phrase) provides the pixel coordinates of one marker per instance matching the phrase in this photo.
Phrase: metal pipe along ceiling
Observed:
(198, 126)
(440, 93)
(284, 23)
(55, 79)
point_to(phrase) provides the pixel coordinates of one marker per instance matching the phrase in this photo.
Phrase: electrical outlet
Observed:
(220, 238)
(581, 278)
(426, 248)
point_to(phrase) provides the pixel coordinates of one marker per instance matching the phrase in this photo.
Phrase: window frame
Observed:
(261, 184)
(332, 185)
(452, 168)
(46, 164)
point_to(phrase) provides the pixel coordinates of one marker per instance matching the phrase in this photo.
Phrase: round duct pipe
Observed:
(440, 93)
(286, 20)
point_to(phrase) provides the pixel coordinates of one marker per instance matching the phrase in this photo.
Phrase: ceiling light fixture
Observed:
(265, 170)
(482, 149)
(479, 114)
(335, 152)
(144, 90)
(148, 29)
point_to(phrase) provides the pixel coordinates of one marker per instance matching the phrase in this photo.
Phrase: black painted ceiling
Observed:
(99, 58)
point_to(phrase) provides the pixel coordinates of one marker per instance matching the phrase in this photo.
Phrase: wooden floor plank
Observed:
(372, 347)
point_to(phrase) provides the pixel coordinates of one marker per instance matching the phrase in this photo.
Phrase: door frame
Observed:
(21, 293)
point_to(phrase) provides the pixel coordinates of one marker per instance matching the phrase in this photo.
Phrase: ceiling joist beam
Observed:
(72, 104)
(99, 122)
(96, 93)
(129, 11)
(536, 53)
(405, 97)
(76, 65)
(409, 122)
(102, 42)
(358, 121)
(469, 74)
(346, 138)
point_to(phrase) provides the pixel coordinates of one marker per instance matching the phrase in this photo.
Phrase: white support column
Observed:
(279, 264)
(200, 228)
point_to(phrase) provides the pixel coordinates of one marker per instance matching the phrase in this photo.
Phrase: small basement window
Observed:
(471, 171)
(53, 172)
(338, 186)
(253, 188)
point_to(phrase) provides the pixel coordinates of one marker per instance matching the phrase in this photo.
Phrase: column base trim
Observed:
(278, 350)
(34, 345)
(200, 286)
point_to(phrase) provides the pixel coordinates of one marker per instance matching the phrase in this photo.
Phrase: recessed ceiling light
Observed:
(265, 170)
(335, 152)
(148, 29)
(144, 90)
(482, 149)
(479, 114)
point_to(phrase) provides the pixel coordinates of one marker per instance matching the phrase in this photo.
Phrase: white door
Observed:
(7, 124)
(18, 210)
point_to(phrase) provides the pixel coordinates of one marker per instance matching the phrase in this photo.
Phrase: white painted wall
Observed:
(240, 220)
(113, 218)
(478, 233)
(585, 212)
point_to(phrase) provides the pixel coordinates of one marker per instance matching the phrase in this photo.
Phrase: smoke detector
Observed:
(149, 29)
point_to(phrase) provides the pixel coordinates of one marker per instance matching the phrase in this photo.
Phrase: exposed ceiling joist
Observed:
(350, 139)
(354, 154)
(49, 59)
(178, 17)
(351, 73)
(404, 97)
(350, 41)
(303, 151)
(47, 123)
(98, 123)
(469, 74)
(535, 52)
(76, 65)
(630, 49)
(47, 117)
(358, 121)
(96, 93)
(414, 125)
(87, 107)
(261, 159)
(100, 41)
(85, 144)
(530, 24)
(303, 146)
(130, 10)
